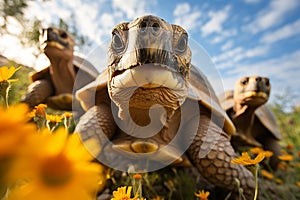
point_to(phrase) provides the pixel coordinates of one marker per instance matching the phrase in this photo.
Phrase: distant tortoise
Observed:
(149, 64)
(255, 123)
(54, 85)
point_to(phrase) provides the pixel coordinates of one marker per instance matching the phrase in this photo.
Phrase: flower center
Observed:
(56, 170)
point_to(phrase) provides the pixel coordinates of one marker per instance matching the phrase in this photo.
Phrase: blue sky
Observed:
(242, 38)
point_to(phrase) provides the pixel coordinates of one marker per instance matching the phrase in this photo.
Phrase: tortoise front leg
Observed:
(97, 123)
(38, 92)
(212, 153)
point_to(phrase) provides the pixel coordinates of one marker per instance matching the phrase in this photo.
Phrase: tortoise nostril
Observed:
(143, 26)
(258, 79)
(155, 27)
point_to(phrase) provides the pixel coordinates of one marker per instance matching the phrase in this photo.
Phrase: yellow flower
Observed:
(54, 118)
(123, 194)
(267, 174)
(245, 159)
(202, 195)
(32, 114)
(137, 176)
(298, 184)
(67, 115)
(258, 150)
(286, 157)
(6, 73)
(57, 166)
(268, 154)
(14, 128)
(283, 151)
(278, 181)
(282, 166)
(290, 146)
(40, 109)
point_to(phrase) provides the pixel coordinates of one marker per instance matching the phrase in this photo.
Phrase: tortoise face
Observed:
(253, 90)
(149, 56)
(56, 42)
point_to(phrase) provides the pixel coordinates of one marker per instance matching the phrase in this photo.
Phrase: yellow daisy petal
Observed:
(267, 174)
(286, 157)
(245, 159)
(202, 195)
(54, 175)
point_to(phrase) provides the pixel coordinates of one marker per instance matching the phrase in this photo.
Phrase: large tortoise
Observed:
(150, 65)
(54, 85)
(255, 123)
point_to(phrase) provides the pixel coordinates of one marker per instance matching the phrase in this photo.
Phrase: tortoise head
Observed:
(56, 43)
(149, 63)
(252, 91)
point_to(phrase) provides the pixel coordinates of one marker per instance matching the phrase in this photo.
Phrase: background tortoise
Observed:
(54, 85)
(255, 123)
(149, 64)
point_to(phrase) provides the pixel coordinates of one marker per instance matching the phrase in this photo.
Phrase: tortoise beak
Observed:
(51, 37)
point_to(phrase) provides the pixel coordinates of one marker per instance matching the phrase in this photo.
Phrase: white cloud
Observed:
(132, 8)
(273, 15)
(282, 71)
(47, 11)
(86, 19)
(282, 33)
(282, 68)
(228, 55)
(227, 45)
(252, 1)
(12, 48)
(223, 35)
(185, 17)
(217, 18)
(182, 9)
(232, 57)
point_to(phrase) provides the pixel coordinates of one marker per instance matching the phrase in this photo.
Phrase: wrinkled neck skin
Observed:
(63, 74)
(147, 121)
(243, 117)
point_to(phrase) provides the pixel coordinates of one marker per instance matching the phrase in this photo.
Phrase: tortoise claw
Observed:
(151, 148)
(142, 146)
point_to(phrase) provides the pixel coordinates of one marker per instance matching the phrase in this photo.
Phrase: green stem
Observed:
(4, 88)
(256, 181)
(6, 101)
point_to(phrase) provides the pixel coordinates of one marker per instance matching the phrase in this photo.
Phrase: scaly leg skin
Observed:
(212, 153)
(38, 92)
(61, 102)
(97, 123)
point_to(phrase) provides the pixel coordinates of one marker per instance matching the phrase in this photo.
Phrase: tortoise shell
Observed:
(263, 113)
(80, 64)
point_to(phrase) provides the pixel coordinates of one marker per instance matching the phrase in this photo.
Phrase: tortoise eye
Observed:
(244, 81)
(63, 35)
(182, 44)
(117, 43)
